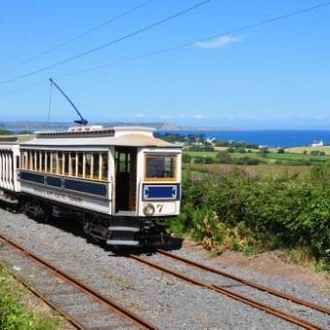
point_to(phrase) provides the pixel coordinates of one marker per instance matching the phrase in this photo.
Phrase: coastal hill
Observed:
(38, 126)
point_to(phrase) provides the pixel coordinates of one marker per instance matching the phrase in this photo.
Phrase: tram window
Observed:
(36, 160)
(25, 159)
(53, 162)
(80, 165)
(162, 167)
(96, 165)
(31, 160)
(73, 163)
(47, 155)
(42, 161)
(104, 166)
(66, 163)
(123, 160)
(60, 163)
(88, 162)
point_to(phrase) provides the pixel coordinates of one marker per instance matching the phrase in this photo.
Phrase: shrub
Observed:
(13, 316)
(236, 211)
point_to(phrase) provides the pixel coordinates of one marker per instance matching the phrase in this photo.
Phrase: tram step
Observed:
(124, 228)
(122, 242)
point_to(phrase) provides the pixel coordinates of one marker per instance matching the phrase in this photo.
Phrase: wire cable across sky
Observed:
(108, 44)
(192, 43)
(187, 44)
(79, 36)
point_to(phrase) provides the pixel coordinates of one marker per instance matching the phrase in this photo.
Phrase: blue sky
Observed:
(270, 76)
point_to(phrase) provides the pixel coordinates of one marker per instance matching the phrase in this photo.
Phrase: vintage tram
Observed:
(121, 183)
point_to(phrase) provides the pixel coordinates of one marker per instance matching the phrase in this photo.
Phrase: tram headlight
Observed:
(149, 209)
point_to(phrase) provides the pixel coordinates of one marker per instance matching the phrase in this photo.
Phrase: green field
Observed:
(296, 156)
(263, 171)
(301, 150)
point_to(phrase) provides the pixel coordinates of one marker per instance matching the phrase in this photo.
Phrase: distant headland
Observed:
(27, 125)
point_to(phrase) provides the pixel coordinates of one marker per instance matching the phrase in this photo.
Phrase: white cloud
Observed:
(140, 115)
(218, 42)
(193, 116)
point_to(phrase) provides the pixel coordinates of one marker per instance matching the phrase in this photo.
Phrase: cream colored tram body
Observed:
(120, 182)
(9, 168)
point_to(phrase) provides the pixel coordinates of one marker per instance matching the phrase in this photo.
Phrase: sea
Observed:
(266, 138)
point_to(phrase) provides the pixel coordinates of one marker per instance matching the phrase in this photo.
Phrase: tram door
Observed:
(125, 179)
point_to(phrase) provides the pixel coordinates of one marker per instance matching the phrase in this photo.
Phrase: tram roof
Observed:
(118, 136)
(16, 139)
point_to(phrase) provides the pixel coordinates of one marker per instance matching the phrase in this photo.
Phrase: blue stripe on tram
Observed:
(33, 177)
(53, 181)
(99, 189)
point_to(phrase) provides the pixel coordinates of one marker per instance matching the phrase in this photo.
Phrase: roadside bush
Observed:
(203, 160)
(186, 158)
(246, 161)
(223, 157)
(235, 211)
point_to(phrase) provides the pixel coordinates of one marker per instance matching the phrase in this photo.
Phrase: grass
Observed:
(263, 171)
(290, 156)
(14, 315)
(301, 150)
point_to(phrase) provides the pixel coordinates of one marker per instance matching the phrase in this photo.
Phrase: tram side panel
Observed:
(9, 183)
(68, 178)
(160, 182)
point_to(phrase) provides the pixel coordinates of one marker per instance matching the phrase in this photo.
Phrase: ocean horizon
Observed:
(268, 138)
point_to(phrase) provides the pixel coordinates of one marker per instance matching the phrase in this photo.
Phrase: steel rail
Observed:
(119, 309)
(264, 288)
(73, 321)
(266, 308)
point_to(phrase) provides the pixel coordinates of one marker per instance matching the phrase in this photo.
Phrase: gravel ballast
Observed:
(164, 300)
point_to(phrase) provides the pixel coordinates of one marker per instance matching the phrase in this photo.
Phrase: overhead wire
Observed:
(187, 44)
(191, 43)
(97, 27)
(148, 27)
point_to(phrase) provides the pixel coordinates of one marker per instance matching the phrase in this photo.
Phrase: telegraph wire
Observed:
(16, 91)
(50, 50)
(192, 43)
(268, 21)
(148, 27)
(187, 44)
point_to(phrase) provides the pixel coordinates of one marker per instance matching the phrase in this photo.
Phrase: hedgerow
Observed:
(247, 213)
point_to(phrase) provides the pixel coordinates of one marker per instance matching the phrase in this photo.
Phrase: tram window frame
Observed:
(73, 164)
(80, 171)
(104, 166)
(47, 163)
(24, 159)
(31, 160)
(59, 162)
(36, 160)
(96, 166)
(53, 162)
(88, 165)
(41, 161)
(66, 163)
(152, 173)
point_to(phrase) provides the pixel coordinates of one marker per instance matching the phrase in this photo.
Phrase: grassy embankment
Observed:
(15, 314)
(275, 205)
(266, 162)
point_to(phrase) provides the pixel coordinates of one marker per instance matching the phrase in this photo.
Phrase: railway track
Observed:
(75, 301)
(237, 296)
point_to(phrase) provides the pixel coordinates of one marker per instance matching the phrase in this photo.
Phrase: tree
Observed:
(5, 132)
